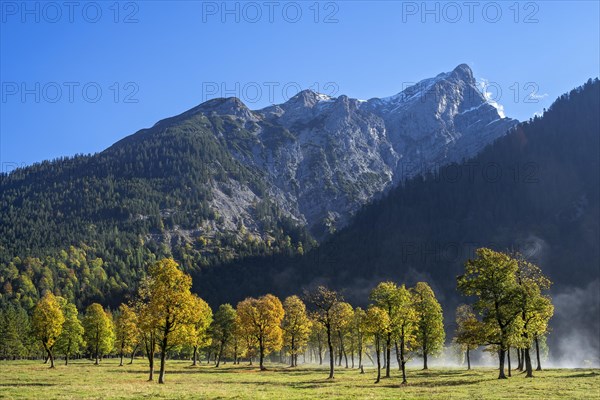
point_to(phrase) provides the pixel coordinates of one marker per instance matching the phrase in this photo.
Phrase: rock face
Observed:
(324, 157)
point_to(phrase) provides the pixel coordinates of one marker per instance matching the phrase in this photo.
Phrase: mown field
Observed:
(82, 380)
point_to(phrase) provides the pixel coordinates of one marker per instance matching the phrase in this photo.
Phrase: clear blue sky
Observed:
(172, 56)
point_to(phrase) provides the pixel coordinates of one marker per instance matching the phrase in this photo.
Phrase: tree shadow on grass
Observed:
(583, 375)
(430, 384)
(438, 373)
(16, 384)
(309, 384)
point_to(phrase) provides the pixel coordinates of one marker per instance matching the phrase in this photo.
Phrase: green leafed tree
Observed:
(535, 307)
(223, 329)
(99, 331)
(430, 326)
(386, 296)
(15, 332)
(492, 278)
(468, 331)
(406, 324)
(70, 341)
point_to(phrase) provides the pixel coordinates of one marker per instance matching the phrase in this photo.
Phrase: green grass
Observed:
(82, 380)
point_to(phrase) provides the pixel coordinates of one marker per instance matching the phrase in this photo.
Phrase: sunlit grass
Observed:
(82, 380)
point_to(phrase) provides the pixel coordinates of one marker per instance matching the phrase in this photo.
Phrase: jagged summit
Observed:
(463, 72)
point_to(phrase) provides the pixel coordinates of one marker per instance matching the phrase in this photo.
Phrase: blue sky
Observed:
(75, 80)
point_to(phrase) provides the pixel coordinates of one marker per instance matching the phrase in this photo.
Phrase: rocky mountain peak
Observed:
(306, 98)
(463, 72)
(225, 106)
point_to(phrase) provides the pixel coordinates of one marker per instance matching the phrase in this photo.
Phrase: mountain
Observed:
(220, 181)
(329, 156)
(536, 190)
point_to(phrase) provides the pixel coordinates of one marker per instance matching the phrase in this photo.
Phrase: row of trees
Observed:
(165, 318)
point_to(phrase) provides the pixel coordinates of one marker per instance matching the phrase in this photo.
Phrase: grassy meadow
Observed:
(83, 380)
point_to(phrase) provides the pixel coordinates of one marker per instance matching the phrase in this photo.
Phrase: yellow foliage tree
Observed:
(262, 319)
(170, 307)
(47, 323)
(341, 322)
(125, 330)
(202, 317)
(378, 325)
(296, 327)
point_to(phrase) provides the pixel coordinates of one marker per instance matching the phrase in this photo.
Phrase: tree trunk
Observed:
(97, 347)
(377, 351)
(163, 359)
(425, 351)
(320, 356)
(331, 356)
(342, 349)
(293, 349)
(194, 355)
(360, 352)
(151, 365)
(50, 355)
(133, 353)
(388, 353)
(398, 355)
(519, 360)
(468, 359)
(150, 355)
(402, 362)
(68, 352)
(508, 359)
(121, 357)
(537, 353)
(528, 367)
(220, 354)
(502, 356)
(261, 349)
